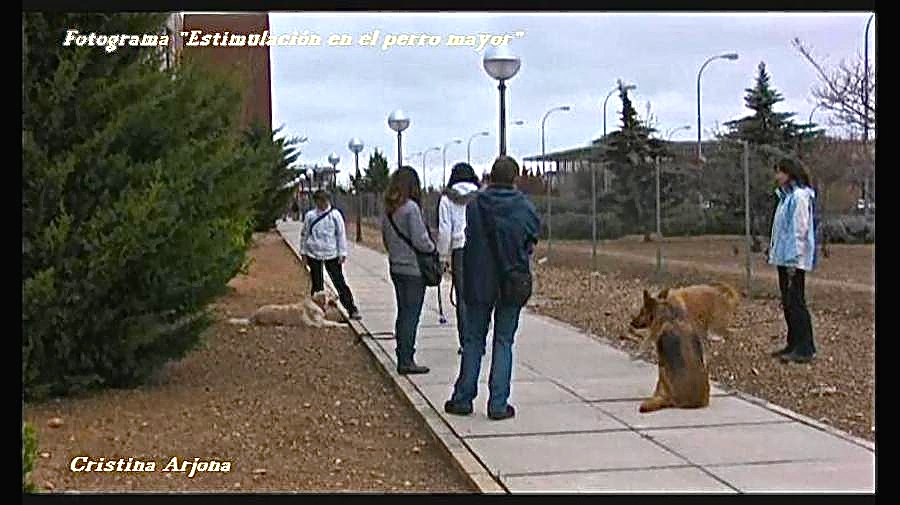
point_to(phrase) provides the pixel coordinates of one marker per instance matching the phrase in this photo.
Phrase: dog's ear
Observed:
(663, 294)
(647, 297)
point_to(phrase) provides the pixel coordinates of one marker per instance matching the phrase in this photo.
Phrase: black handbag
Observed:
(515, 285)
(429, 263)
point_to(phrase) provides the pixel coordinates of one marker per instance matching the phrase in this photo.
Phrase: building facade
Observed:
(253, 62)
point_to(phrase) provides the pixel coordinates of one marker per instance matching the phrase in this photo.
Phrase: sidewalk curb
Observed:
(477, 473)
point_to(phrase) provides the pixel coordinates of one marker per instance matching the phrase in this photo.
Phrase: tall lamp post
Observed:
(866, 111)
(399, 121)
(727, 56)
(549, 179)
(444, 155)
(356, 146)
(424, 171)
(502, 65)
(334, 159)
(469, 147)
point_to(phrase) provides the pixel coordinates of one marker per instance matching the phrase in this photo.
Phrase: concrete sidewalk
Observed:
(577, 426)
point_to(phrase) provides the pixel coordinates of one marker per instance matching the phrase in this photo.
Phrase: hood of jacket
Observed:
(783, 193)
(510, 205)
(461, 192)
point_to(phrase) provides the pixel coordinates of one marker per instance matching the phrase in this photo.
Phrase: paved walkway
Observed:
(577, 426)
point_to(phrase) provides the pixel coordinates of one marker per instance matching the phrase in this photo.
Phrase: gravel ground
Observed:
(291, 409)
(837, 389)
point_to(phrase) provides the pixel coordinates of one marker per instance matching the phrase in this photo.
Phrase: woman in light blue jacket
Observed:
(792, 250)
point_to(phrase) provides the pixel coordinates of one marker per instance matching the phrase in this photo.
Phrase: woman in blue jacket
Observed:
(792, 250)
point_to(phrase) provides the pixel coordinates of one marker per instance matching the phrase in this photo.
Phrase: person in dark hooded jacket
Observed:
(501, 222)
(460, 190)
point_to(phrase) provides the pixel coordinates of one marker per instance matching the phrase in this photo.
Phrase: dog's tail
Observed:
(734, 296)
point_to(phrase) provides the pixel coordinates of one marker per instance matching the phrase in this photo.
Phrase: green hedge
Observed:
(29, 454)
(138, 202)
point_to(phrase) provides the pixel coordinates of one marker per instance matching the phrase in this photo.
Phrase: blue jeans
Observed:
(410, 293)
(506, 322)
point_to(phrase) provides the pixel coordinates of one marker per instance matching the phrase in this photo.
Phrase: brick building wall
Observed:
(252, 61)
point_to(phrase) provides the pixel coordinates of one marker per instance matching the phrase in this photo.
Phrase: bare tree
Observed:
(842, 90)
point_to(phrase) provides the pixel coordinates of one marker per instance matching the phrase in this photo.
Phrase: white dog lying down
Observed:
(318, 311)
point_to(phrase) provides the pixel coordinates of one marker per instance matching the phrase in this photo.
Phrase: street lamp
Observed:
(500, 63)
(356, 146)
(675, 130)
(398, 121)
(469, 147)
(334, 159)
(727, 56)
(866, 111)
(444, 155)
(544, 161)
(424, 172)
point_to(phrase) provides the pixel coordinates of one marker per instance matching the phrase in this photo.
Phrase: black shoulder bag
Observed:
(429, 263)
(515, 285)
(316, 220)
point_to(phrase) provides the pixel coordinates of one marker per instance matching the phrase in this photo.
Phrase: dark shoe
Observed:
(782, 352)
(412, 369)
(457, 409)
(499, 416)
(798, 358)
(355, 315)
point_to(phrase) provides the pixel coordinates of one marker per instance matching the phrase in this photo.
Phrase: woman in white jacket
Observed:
(323, 243)
(460, 190)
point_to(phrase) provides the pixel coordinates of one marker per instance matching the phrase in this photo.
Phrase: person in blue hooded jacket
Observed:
(792, 250)
(514, 226)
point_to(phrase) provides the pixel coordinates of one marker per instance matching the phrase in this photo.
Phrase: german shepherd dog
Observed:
(683, 377)
(708, 307)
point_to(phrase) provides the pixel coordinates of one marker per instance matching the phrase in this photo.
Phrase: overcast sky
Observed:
(331, 93)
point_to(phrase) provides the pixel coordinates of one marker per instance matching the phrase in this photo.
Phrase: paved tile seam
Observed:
(542, 433)
(775, 462)
(478, 473)
(595, 470)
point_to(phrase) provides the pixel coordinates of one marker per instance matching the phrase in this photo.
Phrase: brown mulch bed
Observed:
(292, 410)
(837, 389)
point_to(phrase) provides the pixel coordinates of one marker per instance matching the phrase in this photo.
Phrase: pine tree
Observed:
(282, 153)
(377, 173)
(771, 135)
(632, 154)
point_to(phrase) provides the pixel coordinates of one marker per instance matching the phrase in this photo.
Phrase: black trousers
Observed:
(336, 272)
(456, 266)
(796, 315)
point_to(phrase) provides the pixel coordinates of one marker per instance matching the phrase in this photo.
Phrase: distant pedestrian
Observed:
(792, 250)
(502, 229)
(460, 190)
(323, 243)
(402, 229)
